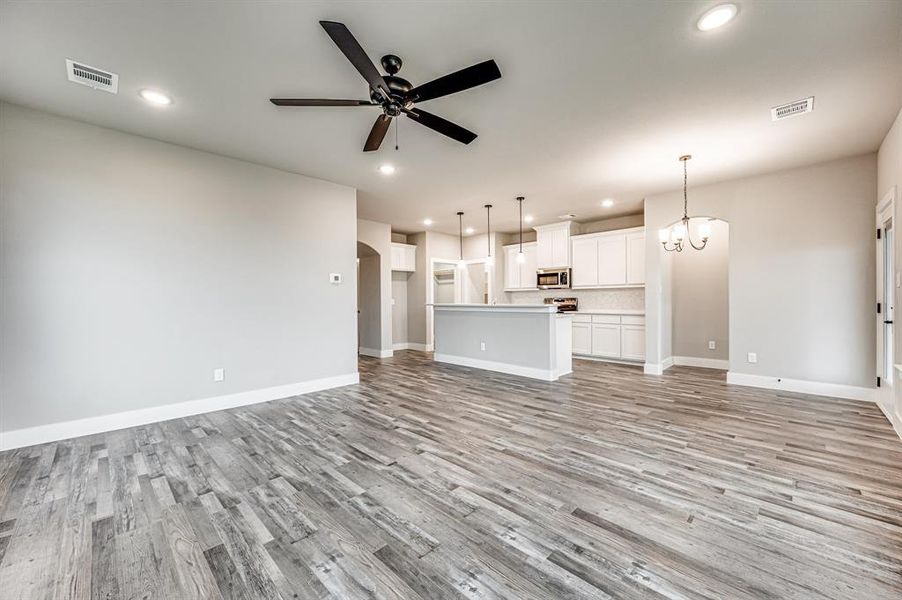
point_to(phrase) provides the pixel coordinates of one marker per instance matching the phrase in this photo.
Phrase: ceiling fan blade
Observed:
(318, 102)
(443, 126)
(377, 133)
(458, 81)
(351, 48)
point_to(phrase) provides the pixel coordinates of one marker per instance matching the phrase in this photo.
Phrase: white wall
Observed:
(801, 270)
(701, 297)
(131, 268)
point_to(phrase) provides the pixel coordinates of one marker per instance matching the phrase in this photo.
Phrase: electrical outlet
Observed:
(482, 346)
(753, 357)
(712, 345)
(218, 374)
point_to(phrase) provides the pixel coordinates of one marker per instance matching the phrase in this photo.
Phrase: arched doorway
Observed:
(369, 308)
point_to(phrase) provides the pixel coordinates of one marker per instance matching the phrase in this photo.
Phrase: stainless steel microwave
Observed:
(552, 279)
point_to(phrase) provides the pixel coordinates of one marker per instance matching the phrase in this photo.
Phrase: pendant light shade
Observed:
(489, 261)
(674, 236)
(521, 258)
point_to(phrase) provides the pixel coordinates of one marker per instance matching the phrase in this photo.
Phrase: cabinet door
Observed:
(545, 250)
(612, 260)
(582, 338)
(560, 251)
(585, 262)
(511, 269)
(395, 258)
(528, 268)
(633, 341)
(410, 258)
(606, 340)
(635, 258)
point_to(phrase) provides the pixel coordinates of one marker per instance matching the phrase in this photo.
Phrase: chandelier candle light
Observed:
(674, 235)
(521, 258)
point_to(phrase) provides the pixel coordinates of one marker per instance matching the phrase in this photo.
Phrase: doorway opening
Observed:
(369, 310)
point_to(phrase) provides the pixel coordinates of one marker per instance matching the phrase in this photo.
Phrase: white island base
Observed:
(530, 340)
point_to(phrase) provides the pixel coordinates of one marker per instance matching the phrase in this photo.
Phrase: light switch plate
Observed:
(334, 278)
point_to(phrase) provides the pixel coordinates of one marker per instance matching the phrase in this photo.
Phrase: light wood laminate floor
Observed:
(434, 481)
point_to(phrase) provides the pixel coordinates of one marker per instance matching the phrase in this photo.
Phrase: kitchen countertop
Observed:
(610, 311)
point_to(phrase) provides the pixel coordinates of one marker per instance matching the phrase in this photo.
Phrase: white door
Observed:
(885, 299)
(582, 340)
(635, 258)
(585, 262)
(612, 260)
(632, 339)
(606, 340)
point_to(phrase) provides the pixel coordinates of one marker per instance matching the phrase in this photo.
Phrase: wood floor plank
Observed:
(437, 481)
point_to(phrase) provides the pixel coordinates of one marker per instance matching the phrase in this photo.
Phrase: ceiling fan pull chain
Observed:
(397, 124)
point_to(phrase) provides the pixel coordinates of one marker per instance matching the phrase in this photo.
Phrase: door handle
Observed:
(887, 322)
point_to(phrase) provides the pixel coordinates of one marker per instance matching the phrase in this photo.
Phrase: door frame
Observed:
(885, 211)
(430, 294)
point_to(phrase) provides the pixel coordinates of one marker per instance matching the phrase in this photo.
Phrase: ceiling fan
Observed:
(395, 95)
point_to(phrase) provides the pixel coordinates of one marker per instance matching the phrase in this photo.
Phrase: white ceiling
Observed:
(597, 99)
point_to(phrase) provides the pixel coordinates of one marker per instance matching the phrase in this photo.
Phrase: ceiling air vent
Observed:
(92, 76)
(799, 107)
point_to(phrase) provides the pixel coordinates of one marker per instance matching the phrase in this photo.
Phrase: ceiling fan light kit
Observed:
(395, 95)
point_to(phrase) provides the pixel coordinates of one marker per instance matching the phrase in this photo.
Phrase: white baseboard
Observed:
(375, 353)
(658, 368)
(835, 390)
(29, 436)
(489, 365)
(413, 346)
(705, 363)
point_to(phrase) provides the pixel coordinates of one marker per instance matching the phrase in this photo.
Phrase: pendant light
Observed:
(460, 239)
(521, 258)
(489, 261)
(673, 236)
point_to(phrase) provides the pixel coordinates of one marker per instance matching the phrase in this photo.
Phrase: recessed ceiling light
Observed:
(387, 169)
(607, 203)
(469, 230)
(717, 17)
(154, 97)
(427, 222)
(528, 218)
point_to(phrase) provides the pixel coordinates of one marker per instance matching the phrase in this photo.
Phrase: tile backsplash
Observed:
(620, 298)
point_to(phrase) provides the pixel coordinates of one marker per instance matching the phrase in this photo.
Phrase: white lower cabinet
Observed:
(606, 340)
(582, 340)
(619, 337)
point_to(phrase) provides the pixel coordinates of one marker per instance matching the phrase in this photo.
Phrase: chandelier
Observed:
(674, 236)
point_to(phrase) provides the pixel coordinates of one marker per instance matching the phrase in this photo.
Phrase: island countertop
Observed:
(519, 308)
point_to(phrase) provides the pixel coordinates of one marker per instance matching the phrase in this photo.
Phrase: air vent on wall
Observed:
(92, 76)
(799, 107)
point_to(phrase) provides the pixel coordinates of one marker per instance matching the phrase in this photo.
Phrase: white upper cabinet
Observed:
(403, 257)
(553, 243)
(635, 258)
(585, 262)
(609, 259)
(517, 275)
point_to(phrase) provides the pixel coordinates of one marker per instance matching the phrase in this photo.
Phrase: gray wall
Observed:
(801, 282)
(369, 316)
(399, 307)
(131, 268)
(701, 297)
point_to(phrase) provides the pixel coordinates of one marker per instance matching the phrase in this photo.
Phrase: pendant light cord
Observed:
(520, 201)
(460, 233)
(488, 229)
(685, 193)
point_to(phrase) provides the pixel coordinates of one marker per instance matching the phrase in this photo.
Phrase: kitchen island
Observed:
(530, 340)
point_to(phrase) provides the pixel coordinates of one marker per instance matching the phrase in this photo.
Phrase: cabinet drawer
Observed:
(611, 319)
(632, 320)
(582, 318)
